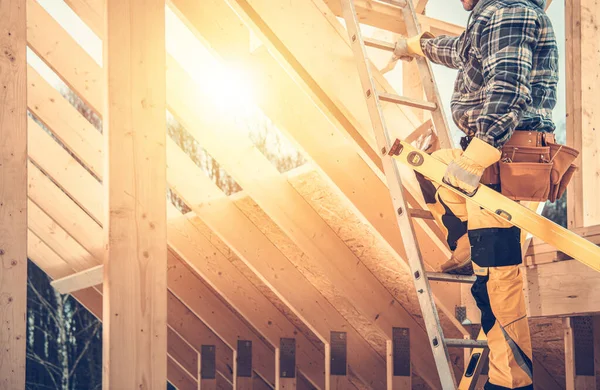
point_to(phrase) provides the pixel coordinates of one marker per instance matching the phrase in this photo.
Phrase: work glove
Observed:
(465, 172)
(406, 49)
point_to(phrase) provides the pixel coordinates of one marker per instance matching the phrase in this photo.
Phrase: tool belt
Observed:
(533, 167)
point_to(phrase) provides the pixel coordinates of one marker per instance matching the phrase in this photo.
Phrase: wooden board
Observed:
(13, 195)
(135, 277)
(561, 289)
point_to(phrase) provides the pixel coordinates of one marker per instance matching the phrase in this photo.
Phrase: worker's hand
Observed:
(466, 171)
(406, 49)
(401, 51)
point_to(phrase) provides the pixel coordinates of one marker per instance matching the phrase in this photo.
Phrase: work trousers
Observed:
(498, 289)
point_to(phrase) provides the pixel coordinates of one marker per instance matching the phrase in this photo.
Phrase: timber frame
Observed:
(245, 289)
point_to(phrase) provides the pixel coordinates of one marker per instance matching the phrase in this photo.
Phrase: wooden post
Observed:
(579, 353)
(583, 81)
(13, 194)
(135, 279)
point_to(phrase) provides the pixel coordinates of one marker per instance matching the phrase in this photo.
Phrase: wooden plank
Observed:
(579, 353)
(135, 278)
(79, 280)
(54, 49)
(563, 288)
(13, 195)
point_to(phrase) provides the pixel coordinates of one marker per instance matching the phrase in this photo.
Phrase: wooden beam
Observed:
(13, 195)
(78, 281)
(135, 278)
(561, 289)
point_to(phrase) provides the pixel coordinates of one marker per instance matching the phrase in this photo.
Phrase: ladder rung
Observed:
(419, 213)
(419, 131)
(444, 277)
(424, 105)
(466, 343)
(397, 3)
(378, 44)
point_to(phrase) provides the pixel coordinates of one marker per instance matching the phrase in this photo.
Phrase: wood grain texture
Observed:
(13, 194)
(135, 230)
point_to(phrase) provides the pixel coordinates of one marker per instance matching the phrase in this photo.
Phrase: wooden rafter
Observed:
(304, 123)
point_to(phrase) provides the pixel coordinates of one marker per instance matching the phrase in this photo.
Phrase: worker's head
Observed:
(469, 4)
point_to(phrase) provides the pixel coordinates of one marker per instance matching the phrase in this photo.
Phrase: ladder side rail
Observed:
(421, 282)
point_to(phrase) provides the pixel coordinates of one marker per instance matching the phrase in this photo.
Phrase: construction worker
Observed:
(507, 61)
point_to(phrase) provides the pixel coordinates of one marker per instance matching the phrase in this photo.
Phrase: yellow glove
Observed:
(406, 49)
(465, 172)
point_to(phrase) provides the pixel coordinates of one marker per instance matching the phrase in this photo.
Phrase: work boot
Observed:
(460, 261)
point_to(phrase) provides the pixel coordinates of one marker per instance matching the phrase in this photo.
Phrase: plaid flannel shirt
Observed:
(507, 63)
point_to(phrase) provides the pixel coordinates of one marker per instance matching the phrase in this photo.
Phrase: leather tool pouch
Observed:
(532, 167)
(562, 158)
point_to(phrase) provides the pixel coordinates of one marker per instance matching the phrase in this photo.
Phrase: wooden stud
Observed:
(135, 281)
(420, 6)
(13, 194)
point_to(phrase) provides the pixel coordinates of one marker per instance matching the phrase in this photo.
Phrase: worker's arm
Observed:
(507, 43)
(442, 50)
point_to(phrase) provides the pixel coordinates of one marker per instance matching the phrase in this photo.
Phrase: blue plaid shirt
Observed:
(507, 61)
